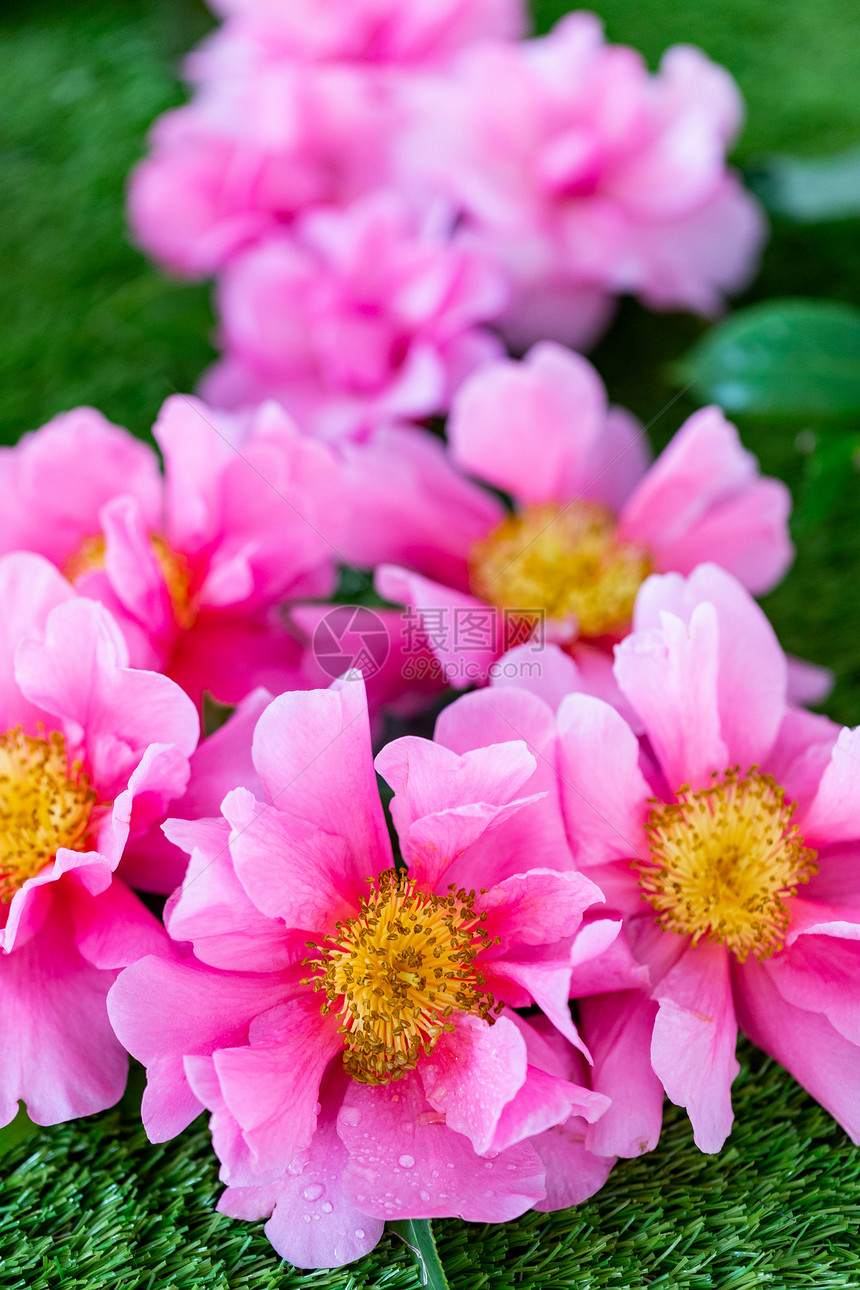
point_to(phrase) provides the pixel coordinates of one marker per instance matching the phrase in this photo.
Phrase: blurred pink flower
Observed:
(355, 318)
(347, 1084)
(194, 566)
(587, 177)
(592, 519)
(91, 752)
(726, 835)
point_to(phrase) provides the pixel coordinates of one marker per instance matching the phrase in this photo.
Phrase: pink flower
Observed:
(248, 154)
(587, 177)
(91, 752)
(727, 836)
(355, 318)
(193, 566)
(591, 518)
(347, 1083)
(422, 34)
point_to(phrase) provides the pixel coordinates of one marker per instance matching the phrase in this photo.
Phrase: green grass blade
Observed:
(418, 1235)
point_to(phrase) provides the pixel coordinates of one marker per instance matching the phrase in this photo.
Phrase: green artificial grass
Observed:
(84, 318)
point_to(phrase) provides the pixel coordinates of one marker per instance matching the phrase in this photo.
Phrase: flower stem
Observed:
(418, 1235)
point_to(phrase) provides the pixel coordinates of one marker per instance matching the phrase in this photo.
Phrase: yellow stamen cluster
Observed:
(565, 561)
(398, 971)
(90, 555)
(723, 862)
(44, 804)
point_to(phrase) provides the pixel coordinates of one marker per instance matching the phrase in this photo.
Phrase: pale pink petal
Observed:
(30, 588)
(618, 1029)
(405, 1161)
(821, 973)
(536, 908)
(808, 684)
(694, 1039)
(602, 961)
(834, 813)
(545, 983)
(804, 1042)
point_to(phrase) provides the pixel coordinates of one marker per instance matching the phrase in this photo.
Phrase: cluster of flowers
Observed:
(622, 810)
(624, 816)
(385, 189)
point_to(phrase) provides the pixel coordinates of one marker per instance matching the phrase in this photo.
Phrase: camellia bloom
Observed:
(195, 565)
(349, 1022)
(726, 835)
(592, 519)
(588, 177)
(91, 751)
(355, 318)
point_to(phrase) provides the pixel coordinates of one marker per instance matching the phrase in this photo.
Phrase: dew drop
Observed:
(327, 1207)
(313, 1191)
(307, 1218)
(349, 1115)
(425, 1195)
(406, 1162)
(359, 1232)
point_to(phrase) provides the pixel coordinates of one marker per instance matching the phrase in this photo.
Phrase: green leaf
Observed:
(215, 714)
(810, 190)
(17, 1130)
(797, 360)
(418, 1235)
(829, 470)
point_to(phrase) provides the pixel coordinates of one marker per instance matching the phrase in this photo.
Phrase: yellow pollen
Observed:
(45, 804)
(398, 971)
(174, 567)
(723, 862)
(565, 561)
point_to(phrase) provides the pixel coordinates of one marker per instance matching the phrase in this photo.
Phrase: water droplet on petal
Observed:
(349, 1115)
(406, 1162)
(307, 1218)
(359, 1232)
(425, 1195)
(327, 1207)
(313, 1191)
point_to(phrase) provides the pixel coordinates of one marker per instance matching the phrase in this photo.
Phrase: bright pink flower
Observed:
(727, 835)
(592, 519)
(193, 566)
(587, 177)
(91, 752)
(347, 1084)
(355, 318)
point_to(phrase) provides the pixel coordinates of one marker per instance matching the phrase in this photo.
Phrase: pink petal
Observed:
(532, 428)
(602, 960)
(804, 1042)
(546, 984)
(30, 588)
(313, 1224)
(271, 1088)
(114, 928)
(821, 973)
(58, 1053)
(473, 1073)
(670, 677)
(618, 1029)
(573, 1173)
(603, 792)
(161, 1010)
(752, 670)
(834, 813)
(312, 752)
(405, 1161)
(536, 908)
(213, 911)
(693, 1044)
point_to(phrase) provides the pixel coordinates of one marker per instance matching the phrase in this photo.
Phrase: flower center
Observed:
(44, 804)
(724, 861)
(396, 972)
(90, 555)
(564, 562)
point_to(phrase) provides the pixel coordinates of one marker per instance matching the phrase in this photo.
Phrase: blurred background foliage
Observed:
(85, 319)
